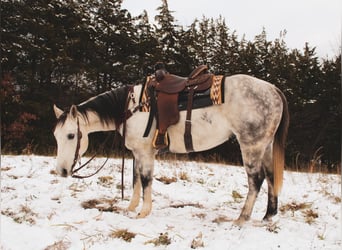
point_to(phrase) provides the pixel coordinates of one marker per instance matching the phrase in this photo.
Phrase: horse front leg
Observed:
(136, 188)
(142, 181)
(146, 176)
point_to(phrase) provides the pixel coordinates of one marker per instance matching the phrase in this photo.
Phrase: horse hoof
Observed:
(140, 216)
(239, 222)
(143, 214)
(131, 208)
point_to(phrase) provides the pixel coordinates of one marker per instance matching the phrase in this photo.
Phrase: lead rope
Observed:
(74, 171)
(127, 114)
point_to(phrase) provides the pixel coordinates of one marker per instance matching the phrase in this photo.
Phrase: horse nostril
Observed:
(64, 172)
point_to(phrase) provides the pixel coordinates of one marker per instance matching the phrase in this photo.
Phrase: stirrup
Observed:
(160, 140)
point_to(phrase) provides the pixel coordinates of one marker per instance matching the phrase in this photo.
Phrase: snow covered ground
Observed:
(194, 205)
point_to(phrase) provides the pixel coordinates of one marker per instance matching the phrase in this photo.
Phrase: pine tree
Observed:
(167, 33)
(145, 46)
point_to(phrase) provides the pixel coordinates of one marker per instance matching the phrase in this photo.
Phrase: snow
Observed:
(40, 210)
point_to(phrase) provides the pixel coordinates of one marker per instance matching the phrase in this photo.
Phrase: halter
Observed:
(78, 145)
(126, 114)
(77, 157)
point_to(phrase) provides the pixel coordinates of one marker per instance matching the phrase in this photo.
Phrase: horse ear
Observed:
(58, 111)
(73, 111)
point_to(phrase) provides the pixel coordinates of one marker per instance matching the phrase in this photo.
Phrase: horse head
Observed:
(72, 139)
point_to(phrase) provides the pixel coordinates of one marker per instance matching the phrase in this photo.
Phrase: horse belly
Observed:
(209, 128)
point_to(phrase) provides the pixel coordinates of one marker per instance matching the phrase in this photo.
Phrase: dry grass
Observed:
(197, 242)
(221, 219)
(103, 205)
(105, 181)
(23, 215)
(237, 196)
(336, 199)
(184, 176)
(53, 172)
(163, 239)
(293, 206)
(167, 180)
(305, 207)
(59, 245)
(6, 189)
(197, 205)
(310, 216)
(273, 227)
(5, 169)
(200, 215)
(315, 165)
(122, 234)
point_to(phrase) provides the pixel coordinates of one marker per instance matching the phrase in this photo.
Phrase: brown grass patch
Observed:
(59, 245)
(163, 239)
(167, 180)
(220, 219)
(53, 172)
(122, 234)
(184, 176)
(310, 216)
(187, 205)
(24, 214)
(293, 207)
(337, 199)
(103, 205)
(236, 196)
(304, 207)
(200, 215)
(197, 242)
(105, 181)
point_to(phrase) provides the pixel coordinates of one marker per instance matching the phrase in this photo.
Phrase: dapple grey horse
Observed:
(255, 111)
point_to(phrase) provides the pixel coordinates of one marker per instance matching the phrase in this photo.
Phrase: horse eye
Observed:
(71, 136)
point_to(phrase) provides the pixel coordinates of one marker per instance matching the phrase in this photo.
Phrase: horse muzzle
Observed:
(63, 172)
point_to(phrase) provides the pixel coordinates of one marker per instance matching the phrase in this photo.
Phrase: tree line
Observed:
(62, 52)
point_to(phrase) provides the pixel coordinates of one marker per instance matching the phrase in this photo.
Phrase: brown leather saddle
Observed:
(166, 89)
(199, 79)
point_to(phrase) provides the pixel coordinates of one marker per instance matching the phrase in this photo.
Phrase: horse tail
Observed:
(279, 146)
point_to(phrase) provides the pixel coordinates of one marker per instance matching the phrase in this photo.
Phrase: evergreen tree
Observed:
(63, 51)
(167, 33)
(114, 40)
(146, 47)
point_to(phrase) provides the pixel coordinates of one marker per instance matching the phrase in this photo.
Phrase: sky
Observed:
(317, 22)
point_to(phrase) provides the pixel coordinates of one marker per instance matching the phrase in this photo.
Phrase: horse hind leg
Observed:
(256, 175)
(272, 202)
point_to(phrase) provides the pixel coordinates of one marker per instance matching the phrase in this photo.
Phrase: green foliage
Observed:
(66, 51)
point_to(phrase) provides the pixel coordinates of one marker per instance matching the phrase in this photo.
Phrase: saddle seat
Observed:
(198, 79)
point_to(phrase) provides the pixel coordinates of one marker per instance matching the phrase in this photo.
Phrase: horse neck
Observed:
(105, 111)
(93, 123)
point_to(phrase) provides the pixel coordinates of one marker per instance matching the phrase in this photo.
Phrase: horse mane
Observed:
(109, 106)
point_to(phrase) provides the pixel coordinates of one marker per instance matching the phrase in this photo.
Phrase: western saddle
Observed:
(165, 88)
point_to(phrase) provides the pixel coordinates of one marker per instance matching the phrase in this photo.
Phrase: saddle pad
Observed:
(211, 96)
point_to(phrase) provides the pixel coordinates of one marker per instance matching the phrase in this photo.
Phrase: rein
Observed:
(78, 157)
(126, 115)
